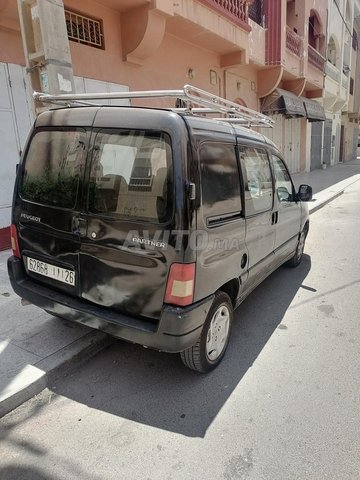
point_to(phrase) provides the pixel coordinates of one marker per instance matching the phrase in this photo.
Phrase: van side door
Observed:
(221, 249)
(258, 203)
(287, 210)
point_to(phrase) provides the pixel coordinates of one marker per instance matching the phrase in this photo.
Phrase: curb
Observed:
(34, 378)
(329, 194)
(321, 204)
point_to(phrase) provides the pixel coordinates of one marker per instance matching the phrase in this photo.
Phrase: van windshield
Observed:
(53, 167)
(131, 175)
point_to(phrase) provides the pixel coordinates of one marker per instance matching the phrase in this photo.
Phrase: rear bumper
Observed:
(177, 329)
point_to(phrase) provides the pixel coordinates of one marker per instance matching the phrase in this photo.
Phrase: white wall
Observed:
(15, 122)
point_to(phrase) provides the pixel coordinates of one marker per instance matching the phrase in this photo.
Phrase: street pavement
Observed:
(35, 347)
(283, 405)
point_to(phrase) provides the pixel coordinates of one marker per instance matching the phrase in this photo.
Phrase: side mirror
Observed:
(305, 193)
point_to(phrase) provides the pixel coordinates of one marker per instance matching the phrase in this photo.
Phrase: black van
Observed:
(150, 224)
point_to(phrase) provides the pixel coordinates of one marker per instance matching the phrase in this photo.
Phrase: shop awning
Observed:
(290, 105)
(284, 102)
(314, 111)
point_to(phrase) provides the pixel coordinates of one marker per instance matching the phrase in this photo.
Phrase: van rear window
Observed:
(53, 167)
(131, 175)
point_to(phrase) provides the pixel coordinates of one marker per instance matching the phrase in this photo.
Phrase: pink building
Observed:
(265, 54)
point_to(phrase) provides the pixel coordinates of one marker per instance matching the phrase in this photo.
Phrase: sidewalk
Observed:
(329, 183)
(35, 347)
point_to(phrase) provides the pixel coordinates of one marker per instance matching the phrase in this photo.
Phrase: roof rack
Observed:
(192, 97)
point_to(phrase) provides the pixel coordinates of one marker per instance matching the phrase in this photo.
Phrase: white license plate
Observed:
(51, 271)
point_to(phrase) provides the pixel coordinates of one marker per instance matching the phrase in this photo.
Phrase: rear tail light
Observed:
(14, 241)
(180, 284)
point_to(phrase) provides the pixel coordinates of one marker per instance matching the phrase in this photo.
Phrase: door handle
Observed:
(78, 226)
(274, 218)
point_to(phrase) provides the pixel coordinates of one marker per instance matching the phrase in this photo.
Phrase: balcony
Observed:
(294, 43)
(316, 59)
(219, 26)
(235, 10)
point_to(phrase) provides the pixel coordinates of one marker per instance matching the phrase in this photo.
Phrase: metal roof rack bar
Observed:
(244, 123)
(192, 96)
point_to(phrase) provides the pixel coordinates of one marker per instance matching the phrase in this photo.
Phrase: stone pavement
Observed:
(35, 347)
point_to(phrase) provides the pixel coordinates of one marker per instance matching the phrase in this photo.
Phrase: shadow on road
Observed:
(13, 472)
(156, 389)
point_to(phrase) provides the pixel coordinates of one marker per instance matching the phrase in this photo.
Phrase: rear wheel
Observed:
(299, 252)
(210, 348)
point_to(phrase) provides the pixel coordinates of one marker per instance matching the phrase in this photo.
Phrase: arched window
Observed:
(332, 51)
(316, 35)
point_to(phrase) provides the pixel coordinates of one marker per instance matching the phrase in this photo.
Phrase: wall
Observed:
(166, 69)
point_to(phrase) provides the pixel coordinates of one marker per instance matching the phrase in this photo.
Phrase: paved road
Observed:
(283, 405)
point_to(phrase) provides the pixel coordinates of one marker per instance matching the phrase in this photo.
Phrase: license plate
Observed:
(51, 271)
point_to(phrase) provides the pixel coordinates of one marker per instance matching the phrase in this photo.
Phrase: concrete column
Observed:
(46, 45)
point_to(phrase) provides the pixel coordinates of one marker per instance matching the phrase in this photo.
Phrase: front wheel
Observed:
(210, 348)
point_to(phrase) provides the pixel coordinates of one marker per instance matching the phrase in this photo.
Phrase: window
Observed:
(86, 30)
(351, 88)
(220, 183)
(53, 168)
(283, 184)
(354, 40)
(131, 175)
(257, 180)
(332, 53)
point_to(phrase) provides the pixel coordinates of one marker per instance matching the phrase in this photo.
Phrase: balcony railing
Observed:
(316, 59)
(234, 10)
(294, 42)
(332, 71)
(345, 81)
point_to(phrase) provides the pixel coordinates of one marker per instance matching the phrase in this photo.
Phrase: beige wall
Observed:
(13, 52)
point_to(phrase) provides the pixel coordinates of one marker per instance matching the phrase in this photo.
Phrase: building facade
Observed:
(268, 55)
(341, 82)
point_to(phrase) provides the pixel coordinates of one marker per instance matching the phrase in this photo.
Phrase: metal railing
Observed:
(316, 59)
(294, 42)
(192, 96)
(234, 10)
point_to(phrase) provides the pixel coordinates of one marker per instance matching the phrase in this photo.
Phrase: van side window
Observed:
(257, 180)
(131, 175)
(53, 167)
(283, 184)
(220, 182)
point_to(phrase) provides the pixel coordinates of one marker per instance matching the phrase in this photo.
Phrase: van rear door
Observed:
(48, 204)
(125, 255)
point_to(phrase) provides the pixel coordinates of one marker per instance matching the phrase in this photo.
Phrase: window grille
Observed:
(85, 30)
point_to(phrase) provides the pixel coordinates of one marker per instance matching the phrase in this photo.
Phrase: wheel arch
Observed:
(231, 288)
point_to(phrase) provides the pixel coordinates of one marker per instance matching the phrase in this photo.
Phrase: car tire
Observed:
(299, 252)
(211, 346)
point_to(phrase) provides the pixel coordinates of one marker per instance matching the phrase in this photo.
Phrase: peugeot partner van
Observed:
(151, 224)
